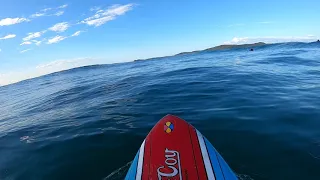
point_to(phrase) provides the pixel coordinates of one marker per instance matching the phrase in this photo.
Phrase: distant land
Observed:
(216, 48)
(225, 47)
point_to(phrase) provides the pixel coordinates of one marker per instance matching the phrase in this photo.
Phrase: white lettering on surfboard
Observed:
(173, 166)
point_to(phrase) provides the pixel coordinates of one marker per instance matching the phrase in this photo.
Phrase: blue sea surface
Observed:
(260, 110)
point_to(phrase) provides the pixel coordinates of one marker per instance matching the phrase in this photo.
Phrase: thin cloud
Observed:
(45, 68)
(103, 16)
(46, 9)
(99, 21)
(237, 40)
(37, 15)
(50, 12)
(76, 33)
(12, 21)
(96, 8)
(63, 6)
(270, 39)
(23, 51)
(60, 27)
(56, 63)
(59, 13)
(63, 64)
(9, 36)
(56, 39)
(25, 43)
(33, 35)
(36, 42)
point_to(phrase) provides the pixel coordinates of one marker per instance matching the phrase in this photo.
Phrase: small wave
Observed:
(119, 173)
(244, 177)
(190, 70)
(314, 72)
(26, 139)
(289, 60)
(289, 53)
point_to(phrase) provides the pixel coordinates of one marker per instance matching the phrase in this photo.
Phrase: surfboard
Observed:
(176, 150)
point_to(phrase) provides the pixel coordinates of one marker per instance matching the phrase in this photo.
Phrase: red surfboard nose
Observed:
(176, 150)
(172, 151)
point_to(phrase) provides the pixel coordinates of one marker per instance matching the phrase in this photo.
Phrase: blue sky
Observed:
(40, 37)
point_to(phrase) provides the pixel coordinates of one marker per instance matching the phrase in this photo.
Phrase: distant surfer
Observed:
(318, 40)
(251, 49)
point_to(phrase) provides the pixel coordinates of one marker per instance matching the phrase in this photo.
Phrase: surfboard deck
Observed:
(176, 150)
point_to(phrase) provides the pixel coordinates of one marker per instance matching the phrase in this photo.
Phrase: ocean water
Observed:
(261, 110)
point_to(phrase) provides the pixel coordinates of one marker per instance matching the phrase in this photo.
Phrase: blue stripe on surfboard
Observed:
(214, 160)
(228, 173)
(131, 174)
(221, 168)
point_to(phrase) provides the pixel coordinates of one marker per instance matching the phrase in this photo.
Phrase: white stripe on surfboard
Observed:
(205, 157)
(140, 162)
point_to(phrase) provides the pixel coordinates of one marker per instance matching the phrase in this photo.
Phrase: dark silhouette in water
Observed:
(251, 49)
(318, 40)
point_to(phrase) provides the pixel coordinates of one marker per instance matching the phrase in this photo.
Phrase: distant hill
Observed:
(225, 47)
